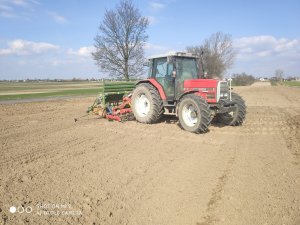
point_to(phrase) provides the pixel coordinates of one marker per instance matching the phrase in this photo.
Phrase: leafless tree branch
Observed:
(120, 44)
(219, 54)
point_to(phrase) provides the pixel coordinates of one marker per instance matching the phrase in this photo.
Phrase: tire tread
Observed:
(205, 113)
(158, 108)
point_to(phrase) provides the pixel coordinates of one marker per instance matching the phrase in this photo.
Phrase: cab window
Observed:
(160, 67)
(187, 68)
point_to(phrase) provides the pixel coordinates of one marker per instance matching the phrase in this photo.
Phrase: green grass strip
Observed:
(291, 83)
(74, 92)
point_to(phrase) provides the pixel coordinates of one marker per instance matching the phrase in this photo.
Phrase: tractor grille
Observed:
(210, 96)
(224, 90)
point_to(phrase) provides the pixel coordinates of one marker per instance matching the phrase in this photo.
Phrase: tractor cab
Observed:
(171, 71)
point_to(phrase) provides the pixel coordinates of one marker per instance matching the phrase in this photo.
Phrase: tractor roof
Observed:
(180, 54)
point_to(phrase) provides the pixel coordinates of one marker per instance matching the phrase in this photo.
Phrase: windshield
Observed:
(186, 68)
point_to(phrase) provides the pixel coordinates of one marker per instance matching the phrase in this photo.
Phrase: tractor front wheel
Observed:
(237, 116)
(146, 103)
(194, 114)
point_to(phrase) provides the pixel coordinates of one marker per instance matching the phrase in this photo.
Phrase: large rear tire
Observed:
(237, 117)
(194, 114)
(146, 103)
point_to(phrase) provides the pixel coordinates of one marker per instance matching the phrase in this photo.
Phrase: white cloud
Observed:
(14, 8)
(20, 2)
(262, 55)
(60, 62)
(21, 59)
(57, 18)
(154, 46)
(156, 6)
(82, 52)
(6, 10)
(263, 46)
(153, 49)
(152, 19)
(23, 47)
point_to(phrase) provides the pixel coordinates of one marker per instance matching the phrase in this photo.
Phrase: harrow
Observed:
(114, 101)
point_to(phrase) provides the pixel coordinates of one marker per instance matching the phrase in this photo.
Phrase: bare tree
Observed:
(119, 46)
(218, 54)
(279, 74)
(242, 79)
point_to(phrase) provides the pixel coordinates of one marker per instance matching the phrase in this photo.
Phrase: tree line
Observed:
(242, 79)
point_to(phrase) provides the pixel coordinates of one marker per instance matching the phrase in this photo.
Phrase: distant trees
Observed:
(218, 54)
(242, 79)
(119, 46)
(279, 74)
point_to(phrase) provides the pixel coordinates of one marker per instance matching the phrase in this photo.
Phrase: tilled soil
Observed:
(99, 172)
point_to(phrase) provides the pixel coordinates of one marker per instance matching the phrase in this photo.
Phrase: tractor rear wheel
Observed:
(236, 117)
(194, 114)
(146, 103)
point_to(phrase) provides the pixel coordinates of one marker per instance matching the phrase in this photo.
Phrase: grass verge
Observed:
(286, 83)
(291, 83)
(62, 93)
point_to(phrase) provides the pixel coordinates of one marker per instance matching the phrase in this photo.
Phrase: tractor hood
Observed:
(200, 84)
(207, 88)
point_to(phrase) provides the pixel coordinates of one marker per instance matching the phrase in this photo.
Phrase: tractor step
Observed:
(169, 111)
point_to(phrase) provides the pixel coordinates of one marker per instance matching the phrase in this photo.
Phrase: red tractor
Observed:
(175, 88)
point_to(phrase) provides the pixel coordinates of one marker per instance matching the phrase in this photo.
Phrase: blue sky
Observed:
(54, 39)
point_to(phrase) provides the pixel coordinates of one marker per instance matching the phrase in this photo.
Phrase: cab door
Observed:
(162, 72)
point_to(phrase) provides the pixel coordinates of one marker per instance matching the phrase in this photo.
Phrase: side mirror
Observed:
(146, 64)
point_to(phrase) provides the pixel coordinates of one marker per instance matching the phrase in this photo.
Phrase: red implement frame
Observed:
(119, 110)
